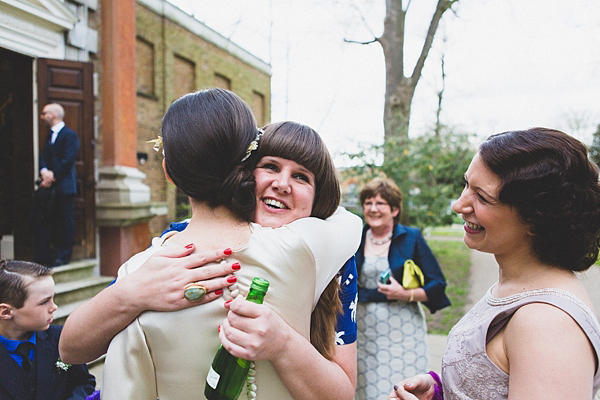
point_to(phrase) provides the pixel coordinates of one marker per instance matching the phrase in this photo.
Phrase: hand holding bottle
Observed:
(254, 332)
(228, 373)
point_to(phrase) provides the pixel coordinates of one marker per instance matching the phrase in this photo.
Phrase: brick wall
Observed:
(172, 61)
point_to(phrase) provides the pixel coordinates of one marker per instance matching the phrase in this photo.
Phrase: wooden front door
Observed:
(70, 84)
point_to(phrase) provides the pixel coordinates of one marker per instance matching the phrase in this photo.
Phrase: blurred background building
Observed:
(115, 66)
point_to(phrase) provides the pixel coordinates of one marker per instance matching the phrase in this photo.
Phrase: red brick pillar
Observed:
(123, 208)
(118, 83)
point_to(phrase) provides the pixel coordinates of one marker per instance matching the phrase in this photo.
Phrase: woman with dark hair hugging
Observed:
(211, 148)
(531, 198)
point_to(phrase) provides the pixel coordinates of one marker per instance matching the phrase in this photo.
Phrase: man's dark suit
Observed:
(51, 383)
(59, 157)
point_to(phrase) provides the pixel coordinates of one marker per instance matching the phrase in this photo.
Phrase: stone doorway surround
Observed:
(37, 28)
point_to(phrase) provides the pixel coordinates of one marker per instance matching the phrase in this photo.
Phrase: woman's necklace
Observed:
(379, 242)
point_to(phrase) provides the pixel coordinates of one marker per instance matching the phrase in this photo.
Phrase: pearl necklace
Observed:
(379, 242)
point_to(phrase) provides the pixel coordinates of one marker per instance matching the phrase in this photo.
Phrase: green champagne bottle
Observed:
(227, 374)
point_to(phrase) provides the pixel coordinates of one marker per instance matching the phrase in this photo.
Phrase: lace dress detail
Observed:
(467, 371)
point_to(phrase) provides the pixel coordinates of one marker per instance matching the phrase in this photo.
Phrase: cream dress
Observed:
(168, 354)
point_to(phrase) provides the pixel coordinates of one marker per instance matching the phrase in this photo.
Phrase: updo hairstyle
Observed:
(547, 176)
(206, 135)
(303, 145)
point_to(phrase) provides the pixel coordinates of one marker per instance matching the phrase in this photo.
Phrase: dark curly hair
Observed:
(206, 135)
(547, 176)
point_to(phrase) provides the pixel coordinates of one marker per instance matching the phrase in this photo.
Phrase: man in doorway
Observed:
(56, 225)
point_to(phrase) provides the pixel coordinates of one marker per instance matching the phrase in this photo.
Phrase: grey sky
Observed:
(510, 64)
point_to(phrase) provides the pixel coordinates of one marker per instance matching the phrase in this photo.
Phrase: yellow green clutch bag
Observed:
(412, 277)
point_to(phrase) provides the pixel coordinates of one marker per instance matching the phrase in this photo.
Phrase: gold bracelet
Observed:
(412, 296)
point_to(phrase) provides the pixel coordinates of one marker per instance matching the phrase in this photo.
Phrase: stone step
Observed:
(79, 290)
(76, 283)
(75, 270)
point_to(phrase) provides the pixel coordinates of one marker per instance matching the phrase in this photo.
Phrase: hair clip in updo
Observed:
(253, 144)
(158, 144)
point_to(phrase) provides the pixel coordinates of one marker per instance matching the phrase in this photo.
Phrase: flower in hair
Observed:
(253, 144)
(158, 144)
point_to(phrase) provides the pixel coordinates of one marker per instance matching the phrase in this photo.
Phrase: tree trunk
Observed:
(400, 89)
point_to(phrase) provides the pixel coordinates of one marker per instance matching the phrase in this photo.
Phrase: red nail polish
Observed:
(235, 266)
(232, 279)
(189, 246)
(228, 252)
(219, 292)
(227, 303)
(219, 328)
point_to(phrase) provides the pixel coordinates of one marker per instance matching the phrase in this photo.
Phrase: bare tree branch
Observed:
(362, 17)
(440, 94)
(356, 41)
(400, 89)
(441, 8)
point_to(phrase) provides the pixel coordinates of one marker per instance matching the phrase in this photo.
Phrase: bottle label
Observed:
(213, 378)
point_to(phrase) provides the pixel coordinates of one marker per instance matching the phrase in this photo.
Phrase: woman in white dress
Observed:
(158, 284)
(210, 140)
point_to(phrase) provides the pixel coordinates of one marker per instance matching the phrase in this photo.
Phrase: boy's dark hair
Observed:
(13, 289)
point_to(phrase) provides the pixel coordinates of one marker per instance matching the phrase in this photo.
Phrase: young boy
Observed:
(30, 367)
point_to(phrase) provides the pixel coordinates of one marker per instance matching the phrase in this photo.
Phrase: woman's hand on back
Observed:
(159, 283)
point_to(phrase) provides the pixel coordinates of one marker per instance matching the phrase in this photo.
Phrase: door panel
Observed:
(70, 84)
(16, 152)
